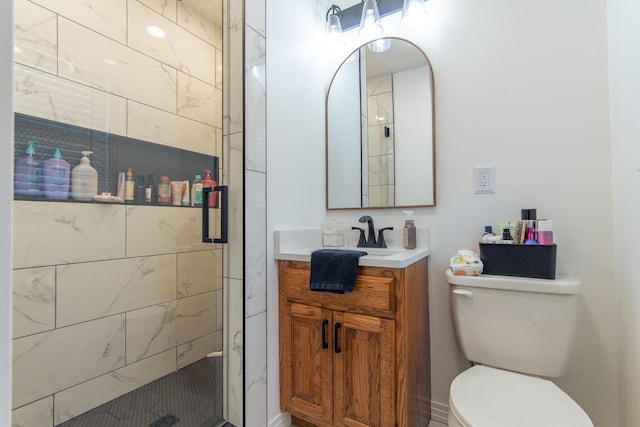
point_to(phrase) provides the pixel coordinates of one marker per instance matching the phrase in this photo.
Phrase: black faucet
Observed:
(370, 241)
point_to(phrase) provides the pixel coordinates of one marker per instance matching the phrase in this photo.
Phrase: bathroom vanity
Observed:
(361, 358)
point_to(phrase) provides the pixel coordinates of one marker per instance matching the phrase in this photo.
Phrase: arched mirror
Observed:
(380, 128)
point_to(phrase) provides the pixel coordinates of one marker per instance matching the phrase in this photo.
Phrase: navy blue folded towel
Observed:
(334, 270)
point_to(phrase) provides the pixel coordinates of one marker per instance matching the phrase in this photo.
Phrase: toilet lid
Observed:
(484, 397)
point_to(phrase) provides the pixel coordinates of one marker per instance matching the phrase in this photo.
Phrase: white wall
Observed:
(295, 152)
(624, 68)
(6, 192)
(519, 85)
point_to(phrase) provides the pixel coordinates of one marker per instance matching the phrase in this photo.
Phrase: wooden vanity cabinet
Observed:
(360, 358)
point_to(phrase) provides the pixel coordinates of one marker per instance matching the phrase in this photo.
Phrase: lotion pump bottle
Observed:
(409, 231)
(84, 179)
(56, 177)
(28, 173)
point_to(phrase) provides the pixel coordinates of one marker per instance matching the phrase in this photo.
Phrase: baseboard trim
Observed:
(283, 419)
(439, 412)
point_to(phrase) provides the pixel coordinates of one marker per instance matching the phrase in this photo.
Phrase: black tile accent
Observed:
(111, 153)
(192, 395)
(165, 421)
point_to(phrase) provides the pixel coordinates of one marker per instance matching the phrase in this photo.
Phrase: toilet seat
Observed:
(483, 397)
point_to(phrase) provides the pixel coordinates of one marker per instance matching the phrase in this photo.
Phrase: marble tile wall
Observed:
(90, 278)
(380, 148)
(91, 64)
(72, 318)
(255, 197)
(234, 175)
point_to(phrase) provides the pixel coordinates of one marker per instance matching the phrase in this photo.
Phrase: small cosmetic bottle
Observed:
(545, 232)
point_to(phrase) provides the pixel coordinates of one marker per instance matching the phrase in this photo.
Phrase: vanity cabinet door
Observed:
(306, 361)
(364, 371)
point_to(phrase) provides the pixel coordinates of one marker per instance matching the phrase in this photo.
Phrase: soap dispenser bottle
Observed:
(56, 177)
(28, 173)
(84, 179)
(409, 231)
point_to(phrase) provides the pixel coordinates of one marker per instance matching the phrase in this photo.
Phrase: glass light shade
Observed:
(334, 32)
(414, 13)
(370, 25)
(379, 45)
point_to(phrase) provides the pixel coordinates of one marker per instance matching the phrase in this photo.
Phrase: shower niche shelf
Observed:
(111, 154)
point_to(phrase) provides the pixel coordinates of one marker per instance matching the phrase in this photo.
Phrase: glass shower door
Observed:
(118, 307)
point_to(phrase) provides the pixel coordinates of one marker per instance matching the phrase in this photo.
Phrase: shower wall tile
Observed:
(234, 349)
(76, 400)
(197, 272)
(97, 289)
(154, 125)
(204, 19)
(199, 101)
(50, 97)
(197, 349)
(197, 60)
(379, 84)
(255, 15)
(150, 330)
(255, 379)
(166, 8)
(52, 361)
(154, 329)
(235, 74)
(255, 247)
(105, 17)
(255, 102)
(196, 317)
(233, 252)
(219, 67)
(91, 59)
(36, 414)
(57, 233)
(152, 230)
(219, 310)
(35, 36)
(34, 298)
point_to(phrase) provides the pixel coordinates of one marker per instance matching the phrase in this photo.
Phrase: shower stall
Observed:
(123, 313)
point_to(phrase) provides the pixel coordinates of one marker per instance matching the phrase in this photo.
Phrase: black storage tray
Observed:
(538, 261)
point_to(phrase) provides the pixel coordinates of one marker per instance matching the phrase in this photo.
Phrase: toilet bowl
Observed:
(517, 330)
(482, 396)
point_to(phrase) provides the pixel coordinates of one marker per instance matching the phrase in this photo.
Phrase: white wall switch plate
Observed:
(484, 179)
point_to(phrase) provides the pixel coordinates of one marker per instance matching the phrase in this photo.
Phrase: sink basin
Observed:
(297, 245)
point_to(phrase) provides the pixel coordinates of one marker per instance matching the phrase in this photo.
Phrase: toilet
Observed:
(517, 332)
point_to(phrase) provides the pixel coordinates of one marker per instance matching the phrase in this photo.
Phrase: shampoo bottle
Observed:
(28, 173)
(207, 181)
(84, 179)
(409, 231)
(129, 187)
(56, 177)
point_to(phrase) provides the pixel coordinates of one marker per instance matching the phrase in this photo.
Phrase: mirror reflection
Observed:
(380, 134)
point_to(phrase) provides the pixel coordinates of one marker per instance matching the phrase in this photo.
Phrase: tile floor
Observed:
(190, 397)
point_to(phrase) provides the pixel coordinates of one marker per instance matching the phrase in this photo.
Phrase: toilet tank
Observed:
(515, 323)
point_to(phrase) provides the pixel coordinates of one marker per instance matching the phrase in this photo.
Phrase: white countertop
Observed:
(297, 245)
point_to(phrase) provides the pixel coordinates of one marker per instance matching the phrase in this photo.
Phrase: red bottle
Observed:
(207, 181)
